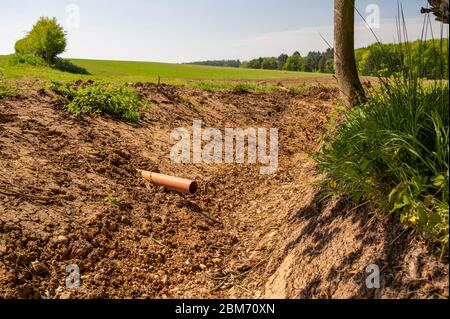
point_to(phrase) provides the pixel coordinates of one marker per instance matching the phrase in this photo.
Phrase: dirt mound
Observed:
(70, 195)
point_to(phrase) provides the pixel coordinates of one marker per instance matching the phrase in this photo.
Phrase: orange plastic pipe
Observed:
(174, 183)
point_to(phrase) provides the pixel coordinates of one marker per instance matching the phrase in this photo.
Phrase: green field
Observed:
(123, 71)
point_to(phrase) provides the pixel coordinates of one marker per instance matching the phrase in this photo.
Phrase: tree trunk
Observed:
(344, 53)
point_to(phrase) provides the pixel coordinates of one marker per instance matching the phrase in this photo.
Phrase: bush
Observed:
(394, 152)
(24, 46)
(5, 89)
(119, 101)
(47, 39)
(29, 59)
(59, 64)
(236, 87)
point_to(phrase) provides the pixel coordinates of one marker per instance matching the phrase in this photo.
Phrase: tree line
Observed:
(375, 60)
(225, 63)
(314, 61)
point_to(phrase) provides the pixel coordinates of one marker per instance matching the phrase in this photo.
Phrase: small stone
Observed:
(203, 266)
(39, 267)
(112, 227)
(3, 249)
(124, 219)
(61, 240)
(69, 198)
(65, 295)
(429, 286)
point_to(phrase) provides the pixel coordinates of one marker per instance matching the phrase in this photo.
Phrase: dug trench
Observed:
(70, 195)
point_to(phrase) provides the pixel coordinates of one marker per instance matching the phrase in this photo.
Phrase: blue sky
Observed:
(181, 31)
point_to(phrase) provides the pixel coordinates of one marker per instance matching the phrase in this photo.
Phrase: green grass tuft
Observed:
(100, 98)
(112, 200)
(6, 90)
(235, 87)
(394, 152)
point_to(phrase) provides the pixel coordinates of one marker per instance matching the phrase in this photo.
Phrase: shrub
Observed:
(24, 46)
(5, 89)
(29, 59)
(394, 152)
(47, 39)
(101, 98)
(112, 200)
(58, 63)
(236, 87)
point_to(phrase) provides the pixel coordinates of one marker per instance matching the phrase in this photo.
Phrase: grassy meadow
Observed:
(124, 71)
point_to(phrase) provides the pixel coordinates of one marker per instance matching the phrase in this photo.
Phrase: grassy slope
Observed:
(123, 71)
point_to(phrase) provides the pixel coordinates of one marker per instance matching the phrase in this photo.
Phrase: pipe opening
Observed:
(193, 188)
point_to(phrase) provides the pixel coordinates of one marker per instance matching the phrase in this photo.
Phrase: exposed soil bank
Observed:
(242, 235)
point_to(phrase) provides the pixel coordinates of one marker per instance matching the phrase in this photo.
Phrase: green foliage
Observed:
(282, 61)
(320, 61)
(112, 200)
(313, 62)
(394, 151)
(426, 59)
(119, 101)
(58, 63)
(24, 46)
(6, 90)
(23, 58)
(47, 39)
(269, 64)
(294, 63)
(222, 63)
(254, 64)
(235, 87)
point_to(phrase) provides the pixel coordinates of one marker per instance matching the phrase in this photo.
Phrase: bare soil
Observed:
(243, 235)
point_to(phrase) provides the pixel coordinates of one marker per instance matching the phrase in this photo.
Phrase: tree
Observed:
(344, 56)
(46, 39)
(282, 61)
(269, 63)
(294, 63)
(254, 64)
